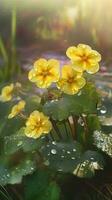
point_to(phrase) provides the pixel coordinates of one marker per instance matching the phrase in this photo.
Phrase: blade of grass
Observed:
(13, 40)
(3, 50)
(5, 192)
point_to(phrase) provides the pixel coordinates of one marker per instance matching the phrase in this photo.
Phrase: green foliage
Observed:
(89, 162)
(103, 142)
(16, 142)
(13, 175)
(84, 102)
(69, 157)
(63, 154)
(41, 186)
(9, 66)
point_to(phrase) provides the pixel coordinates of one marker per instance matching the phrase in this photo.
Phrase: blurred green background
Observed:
(45, 28)
(60, 22)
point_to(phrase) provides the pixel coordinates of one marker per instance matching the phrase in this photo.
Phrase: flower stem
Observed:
(52, 136)
(86, 131)
(23, 116)
(75, 126)
(13, 39)
(56, 129)
(72, 132)
(66, 131)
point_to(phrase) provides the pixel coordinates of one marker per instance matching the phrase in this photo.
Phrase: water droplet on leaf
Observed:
(80, 121)
(103, 110)
(53, 151)
(74, 150)
(54, 142)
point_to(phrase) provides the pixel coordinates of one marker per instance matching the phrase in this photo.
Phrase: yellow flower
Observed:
(71, 80)
(17, 109)
(37, 124)
(6, 93)
(84, 58)
(44, 72)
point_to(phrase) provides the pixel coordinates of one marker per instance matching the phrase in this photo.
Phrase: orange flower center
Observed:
(84, 58)
(38, 124)
(71, 80)
(45, 73)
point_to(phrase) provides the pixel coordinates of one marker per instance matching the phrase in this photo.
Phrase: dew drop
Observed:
(103, 110)
(84, 115)
(73, 158)
(74, 150)
(53, 151)
(68, 152)
(43, 137)
(79, 93)
(80, 121)
(19, 143)
(62, 156)
(98, 108)
(60, 170)
(54, 143)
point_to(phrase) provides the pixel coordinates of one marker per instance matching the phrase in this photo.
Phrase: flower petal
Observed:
(81, 82)
(41, 62)
(92, 69)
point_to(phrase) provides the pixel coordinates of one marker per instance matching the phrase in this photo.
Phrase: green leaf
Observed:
(93, 124)
(41, 186)
(61, 156)
(33, 103)
(24, 168)
(14, 174)
(68, 157)
(83, 102)
(57, 109)
(8, 126)
(89, 162)
(52, 192)
(19, 141)
(4, 175)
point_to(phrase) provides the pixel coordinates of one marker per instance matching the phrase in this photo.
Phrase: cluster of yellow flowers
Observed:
(45, 72)
(37, 123)
(70, 80)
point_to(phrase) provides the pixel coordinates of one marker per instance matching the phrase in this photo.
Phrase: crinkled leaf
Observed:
(40, 186)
